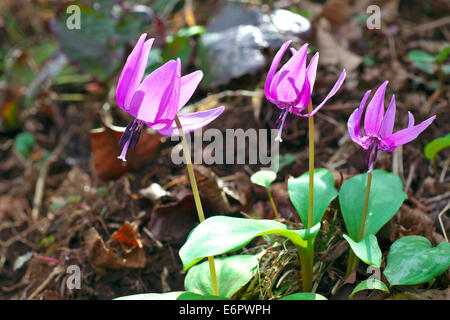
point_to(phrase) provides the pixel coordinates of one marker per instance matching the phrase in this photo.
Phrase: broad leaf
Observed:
(263, 178)
(152, 296)
(195, 296)
(441, 56)
(283, 160)
(369, 284)
(222, 234)
(412, 260)
(324, 193)
(420, 56)
(436, 146)
(304, 296)
(386, 197)
(367, 249)
(232, 272)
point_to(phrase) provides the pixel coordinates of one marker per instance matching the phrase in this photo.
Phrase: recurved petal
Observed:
(132, 72)
(158, 86)
(354, 122)
(333, 91)
(375, 112)
(404, 136)
(387, 125)
(312, 70)
(273, 69)
(410, 119)
(192, 121)
(189, 83)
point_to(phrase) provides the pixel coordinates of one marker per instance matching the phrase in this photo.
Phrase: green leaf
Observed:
(190, 31)
(21, 260)
(386, 197)
(232, 272)
(420, 56)
(304, 296)
(413, 260)
(424, 66)
(222, 234)
(446, 69)
(177, 47)
(263, 178)
(441, 56)
(367, 249)
(283, 160)
(369, 284)
(195, 296)
(23, 142)
(436, 146)
(90, 47)
(324, 193)
(153, 296)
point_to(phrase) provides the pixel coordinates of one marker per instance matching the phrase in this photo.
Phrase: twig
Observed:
(54, 272)
(440, 220)
(437, 198)
(45, 168)
(428, 26)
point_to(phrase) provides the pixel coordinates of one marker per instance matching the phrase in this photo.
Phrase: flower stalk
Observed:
(353, 260)
(274, 207)
(198, 203)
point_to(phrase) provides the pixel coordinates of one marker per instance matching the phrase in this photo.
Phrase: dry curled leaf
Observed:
(173, 221)
(100, 256)
(105, 148)
(127, 235)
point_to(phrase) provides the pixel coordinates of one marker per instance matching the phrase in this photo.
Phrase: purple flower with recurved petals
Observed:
(156, 100)
(378, 126)
(290, 88)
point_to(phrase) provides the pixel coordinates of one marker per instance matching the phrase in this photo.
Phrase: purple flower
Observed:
(290, 88)
(378, 126)
(156, 100)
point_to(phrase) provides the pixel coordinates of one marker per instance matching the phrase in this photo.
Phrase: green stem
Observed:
(353, 260)
(307, 262)
(275, 210)
(198, 203)
(311, 168)
(307, 254)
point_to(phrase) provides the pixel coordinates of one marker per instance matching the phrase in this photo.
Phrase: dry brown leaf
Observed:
(100, 256)
(105, 148)
(127, 235)
(173, 221)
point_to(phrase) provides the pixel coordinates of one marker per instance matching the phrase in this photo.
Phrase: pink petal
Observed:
(273, 69)
(354, 122)
(295, 69)
(157, 86)
(406, 135)
(387, 125)
(193, 121)
(132, 72)
(312, 70)
(333, 91)
(410, 119)
(375, 112)
(189, 83)
(303, 100)
(170, 100)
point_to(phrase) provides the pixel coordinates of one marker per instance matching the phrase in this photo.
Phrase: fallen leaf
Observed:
(100, 256)
(173, 221)
(105, 148)
(331, 52)
(127, 235)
